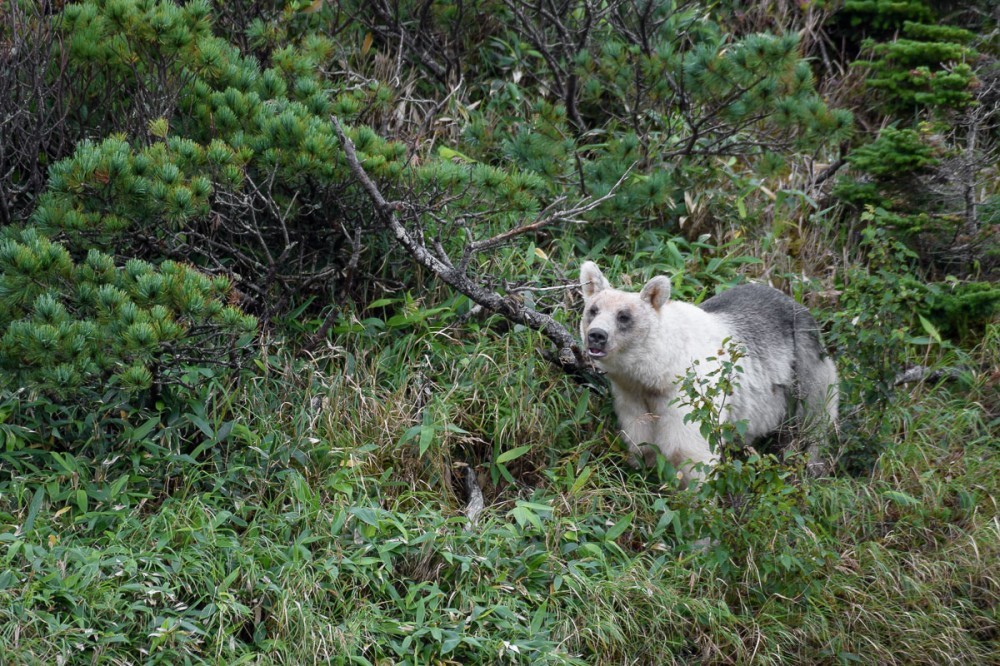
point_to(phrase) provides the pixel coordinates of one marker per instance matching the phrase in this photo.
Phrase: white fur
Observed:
(660, 342)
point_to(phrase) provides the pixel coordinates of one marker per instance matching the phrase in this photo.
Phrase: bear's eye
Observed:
(624, 317)
(593, 310)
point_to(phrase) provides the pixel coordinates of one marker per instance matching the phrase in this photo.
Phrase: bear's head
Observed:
(616, 322)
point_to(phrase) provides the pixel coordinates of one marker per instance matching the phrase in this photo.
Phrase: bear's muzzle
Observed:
(597, 339)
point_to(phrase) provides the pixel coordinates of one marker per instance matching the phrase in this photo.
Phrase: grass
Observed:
(327, 527)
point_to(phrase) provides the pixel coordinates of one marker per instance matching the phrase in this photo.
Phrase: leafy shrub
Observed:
(753, 511)
(874, 329)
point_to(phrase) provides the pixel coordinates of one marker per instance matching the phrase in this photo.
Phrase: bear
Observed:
(644, 342)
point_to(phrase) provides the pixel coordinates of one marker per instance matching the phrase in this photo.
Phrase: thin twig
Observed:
(551, 215)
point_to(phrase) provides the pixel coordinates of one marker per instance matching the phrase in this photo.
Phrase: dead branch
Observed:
(476, 504)
(569, 356)
(921, 373)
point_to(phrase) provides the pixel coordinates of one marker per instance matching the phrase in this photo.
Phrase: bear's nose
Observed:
(597, 337)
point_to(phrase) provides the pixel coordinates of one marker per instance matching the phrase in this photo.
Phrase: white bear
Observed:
(646, 341)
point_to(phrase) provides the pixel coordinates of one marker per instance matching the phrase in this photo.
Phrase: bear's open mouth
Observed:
(597, 353)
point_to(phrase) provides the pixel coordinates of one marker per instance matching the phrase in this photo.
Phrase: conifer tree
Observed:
(918, 178)
(928, 67)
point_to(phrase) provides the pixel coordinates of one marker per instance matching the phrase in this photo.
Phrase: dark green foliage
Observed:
(870, 330)
(885, 15)
(883, 309)
(960, 308)
(930, 69)
(129, 61)
(891, 164)
(111, 196)
(922, 183)
(84, 331)
(894, 191)
(765, 515)
(735, 89)
(894, 154)
(912, 60)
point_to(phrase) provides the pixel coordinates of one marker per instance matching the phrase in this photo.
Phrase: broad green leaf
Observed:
(382, 302)
(202, 425)
(619, 528)
(410, 433)
(900, 498)
(513, 454)
(36, 504)
(581, 480)
(144, 429)
(581, 406)
(539, 617)
(449, 154)
(366, 515)
(525, 516)
(426, 438)
(929, 328)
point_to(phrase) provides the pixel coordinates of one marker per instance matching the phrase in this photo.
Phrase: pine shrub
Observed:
(97, 335)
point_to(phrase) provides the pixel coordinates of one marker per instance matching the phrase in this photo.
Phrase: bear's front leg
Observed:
(637, 426)
(681, 443)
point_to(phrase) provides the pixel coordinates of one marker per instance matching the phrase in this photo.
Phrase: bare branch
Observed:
(569, 356)
(551, 215)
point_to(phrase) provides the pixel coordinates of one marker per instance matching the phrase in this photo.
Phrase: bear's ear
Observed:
(592, 280)
(656, 292)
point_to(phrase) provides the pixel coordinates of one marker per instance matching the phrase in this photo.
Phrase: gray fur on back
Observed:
(766, 319)
(776, 330)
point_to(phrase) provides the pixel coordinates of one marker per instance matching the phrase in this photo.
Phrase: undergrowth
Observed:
(324, 523)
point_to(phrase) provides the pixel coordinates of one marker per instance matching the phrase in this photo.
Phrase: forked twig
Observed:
(552, 214)
(569, 355)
